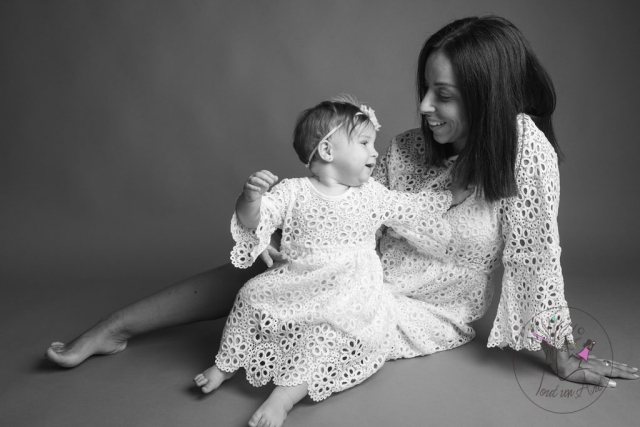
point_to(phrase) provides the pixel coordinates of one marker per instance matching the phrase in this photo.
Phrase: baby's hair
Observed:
(315, 123)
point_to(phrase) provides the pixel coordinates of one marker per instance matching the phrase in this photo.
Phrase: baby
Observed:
(321, 320)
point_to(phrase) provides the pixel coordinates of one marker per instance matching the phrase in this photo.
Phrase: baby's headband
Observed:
(364, 111)
(368, 111)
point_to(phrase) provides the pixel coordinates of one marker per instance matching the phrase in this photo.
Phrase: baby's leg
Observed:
(206, 296)
(211, 379)
(275, 409)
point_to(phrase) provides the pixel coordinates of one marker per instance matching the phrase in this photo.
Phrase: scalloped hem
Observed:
(518, 346)
(314, 396)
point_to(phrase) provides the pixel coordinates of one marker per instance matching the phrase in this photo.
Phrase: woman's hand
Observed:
(272, 253)
(594, 371)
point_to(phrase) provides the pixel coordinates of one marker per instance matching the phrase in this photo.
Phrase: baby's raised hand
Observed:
(258, 184)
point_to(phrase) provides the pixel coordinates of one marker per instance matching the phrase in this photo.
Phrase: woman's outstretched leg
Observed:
(274, 410)
(206, 296)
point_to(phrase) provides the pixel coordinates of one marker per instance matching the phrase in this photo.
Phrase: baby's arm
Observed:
(420, 217)
(248, 203)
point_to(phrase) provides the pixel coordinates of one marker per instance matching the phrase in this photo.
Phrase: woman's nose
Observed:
(426, 106)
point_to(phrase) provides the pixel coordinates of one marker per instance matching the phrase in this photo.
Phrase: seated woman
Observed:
(486, 104)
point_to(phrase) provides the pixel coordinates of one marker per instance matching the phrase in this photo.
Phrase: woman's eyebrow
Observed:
(445, 84)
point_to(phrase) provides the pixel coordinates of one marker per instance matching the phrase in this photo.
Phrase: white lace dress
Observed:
(438, 299)
(324, 316)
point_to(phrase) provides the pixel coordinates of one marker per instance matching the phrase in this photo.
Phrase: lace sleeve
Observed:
(532, 306)
(250, 243)
(419, 218)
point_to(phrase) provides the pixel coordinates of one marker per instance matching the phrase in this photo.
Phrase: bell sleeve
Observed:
(532, 305)
(250, 243)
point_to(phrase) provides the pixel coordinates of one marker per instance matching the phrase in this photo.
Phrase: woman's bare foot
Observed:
(211, 379)
(274, 410)
(103, 338)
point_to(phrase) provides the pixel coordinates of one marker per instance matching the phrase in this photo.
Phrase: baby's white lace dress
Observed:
(324, 315)
(438, 299)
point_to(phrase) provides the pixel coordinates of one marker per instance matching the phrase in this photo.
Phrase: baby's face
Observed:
(355, 157)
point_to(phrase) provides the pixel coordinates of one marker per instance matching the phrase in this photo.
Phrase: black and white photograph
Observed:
(319, 213)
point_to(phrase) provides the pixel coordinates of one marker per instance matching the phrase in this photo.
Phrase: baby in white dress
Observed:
(321, 320)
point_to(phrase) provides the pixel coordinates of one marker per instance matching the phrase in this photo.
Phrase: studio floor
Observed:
(150, 383)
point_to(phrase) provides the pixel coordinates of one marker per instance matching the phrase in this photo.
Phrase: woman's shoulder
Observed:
(407, 146)
(409, 138)
(532, 139)
(537, 161)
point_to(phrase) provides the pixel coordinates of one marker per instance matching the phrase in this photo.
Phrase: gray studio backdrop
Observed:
(129, 127)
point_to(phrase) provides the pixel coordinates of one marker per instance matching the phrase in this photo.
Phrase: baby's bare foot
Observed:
(271, 413)
(211, 379)
(274, 410)
(100, 339)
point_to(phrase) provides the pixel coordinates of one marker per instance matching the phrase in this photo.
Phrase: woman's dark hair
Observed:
(499, 77)
(315, 123)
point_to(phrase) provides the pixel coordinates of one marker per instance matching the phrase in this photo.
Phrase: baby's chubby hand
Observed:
(258, 184)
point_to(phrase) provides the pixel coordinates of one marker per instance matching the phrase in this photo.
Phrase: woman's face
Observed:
(442, 104)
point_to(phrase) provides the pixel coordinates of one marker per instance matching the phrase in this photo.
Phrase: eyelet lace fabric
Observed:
(324, 316)
(438, 299)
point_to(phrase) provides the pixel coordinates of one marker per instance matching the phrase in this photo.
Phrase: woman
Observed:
(486, 105)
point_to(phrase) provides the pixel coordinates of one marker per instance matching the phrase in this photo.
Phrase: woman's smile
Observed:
(435, 125)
